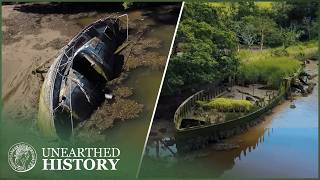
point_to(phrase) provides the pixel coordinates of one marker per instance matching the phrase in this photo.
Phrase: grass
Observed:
(309, 49)
(268, 71)
(261, 5)
(268, 67)
(264, 5)
(227, 105)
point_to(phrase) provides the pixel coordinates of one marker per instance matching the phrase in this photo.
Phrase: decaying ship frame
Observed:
(75, 84)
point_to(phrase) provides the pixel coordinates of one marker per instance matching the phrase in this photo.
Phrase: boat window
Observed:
(188, 123)
(83, 66)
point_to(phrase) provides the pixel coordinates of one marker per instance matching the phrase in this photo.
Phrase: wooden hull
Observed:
(75, 84)
(196, 137)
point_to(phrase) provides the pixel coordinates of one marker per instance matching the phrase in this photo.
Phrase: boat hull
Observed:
(75, 84)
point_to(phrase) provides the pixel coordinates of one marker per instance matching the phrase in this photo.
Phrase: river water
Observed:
(285, 145)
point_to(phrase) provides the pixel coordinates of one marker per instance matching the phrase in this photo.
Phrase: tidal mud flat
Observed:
(34, 34)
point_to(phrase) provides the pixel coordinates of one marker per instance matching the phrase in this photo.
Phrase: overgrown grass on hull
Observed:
(226, 104)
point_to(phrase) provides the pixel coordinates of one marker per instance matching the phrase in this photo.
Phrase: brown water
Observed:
(130, 135)
(145, 83)
(284, 145)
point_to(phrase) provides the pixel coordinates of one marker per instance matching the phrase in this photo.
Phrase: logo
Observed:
(22, 157)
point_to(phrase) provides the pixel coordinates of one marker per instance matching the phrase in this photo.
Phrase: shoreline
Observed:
(47, 33)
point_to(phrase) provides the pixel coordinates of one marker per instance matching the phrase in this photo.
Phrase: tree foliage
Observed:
(205, 50)
(211, 34)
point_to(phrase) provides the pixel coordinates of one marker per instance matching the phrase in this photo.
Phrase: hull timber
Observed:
(75, 84)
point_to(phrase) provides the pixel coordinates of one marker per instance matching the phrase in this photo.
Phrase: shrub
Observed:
(274, 39)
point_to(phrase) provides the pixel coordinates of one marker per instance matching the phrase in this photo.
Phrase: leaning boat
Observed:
(75, 84)
(192, 133)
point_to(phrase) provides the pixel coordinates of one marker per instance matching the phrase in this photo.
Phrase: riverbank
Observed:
(286, 138)
(251, 71)
(33, 37)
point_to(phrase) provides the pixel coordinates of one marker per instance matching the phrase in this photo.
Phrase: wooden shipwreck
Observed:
(200, 132)
(75, 84)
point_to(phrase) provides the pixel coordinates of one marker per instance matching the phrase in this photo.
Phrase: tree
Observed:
(246, 8)
(245, 32)
(308, 25)
(201, 12)
(205, 50)
(290, 36)
(280, 12)
(263, 26)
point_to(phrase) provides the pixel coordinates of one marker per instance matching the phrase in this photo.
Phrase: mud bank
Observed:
(32, 39)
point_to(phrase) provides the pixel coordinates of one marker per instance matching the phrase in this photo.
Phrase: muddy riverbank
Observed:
(33, 37)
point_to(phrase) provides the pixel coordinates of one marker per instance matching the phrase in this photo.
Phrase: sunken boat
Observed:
(192, 132)
(76, 82)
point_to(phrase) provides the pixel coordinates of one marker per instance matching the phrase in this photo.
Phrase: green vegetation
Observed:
(268, 71)
(253, 41)
(207, 49)
(308, 49)
(227, 105)
(264, 5)
(269, 66)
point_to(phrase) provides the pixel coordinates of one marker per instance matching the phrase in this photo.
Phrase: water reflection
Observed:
(219, 156)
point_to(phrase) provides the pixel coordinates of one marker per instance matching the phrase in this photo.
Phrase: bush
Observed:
(274, 39)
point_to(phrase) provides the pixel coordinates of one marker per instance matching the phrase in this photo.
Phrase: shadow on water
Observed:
(212, 161)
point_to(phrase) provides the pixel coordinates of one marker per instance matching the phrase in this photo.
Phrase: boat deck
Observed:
(253, 92)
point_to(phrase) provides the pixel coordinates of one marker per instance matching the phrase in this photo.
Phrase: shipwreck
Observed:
(192, 132)
(76, 82)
